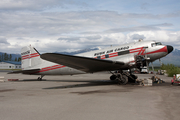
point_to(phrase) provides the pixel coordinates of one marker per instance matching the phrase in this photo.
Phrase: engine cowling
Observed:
(140, 61)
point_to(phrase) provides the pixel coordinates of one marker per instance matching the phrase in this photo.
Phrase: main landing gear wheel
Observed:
(132, 78)
(123, 77)
(113, 77)
(123, 80)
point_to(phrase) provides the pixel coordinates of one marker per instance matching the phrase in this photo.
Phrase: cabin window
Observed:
(98, 57)
(107, 56)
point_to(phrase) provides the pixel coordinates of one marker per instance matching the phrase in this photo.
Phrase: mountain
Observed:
(172, 58)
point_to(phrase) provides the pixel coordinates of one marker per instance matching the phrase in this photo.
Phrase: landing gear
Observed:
(40, 78)
(113, 77)
(123, 80)
(123, 77)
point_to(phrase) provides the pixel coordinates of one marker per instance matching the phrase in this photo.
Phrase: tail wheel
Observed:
(39, 78)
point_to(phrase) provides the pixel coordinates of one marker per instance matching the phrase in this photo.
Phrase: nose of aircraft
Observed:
(169, 48)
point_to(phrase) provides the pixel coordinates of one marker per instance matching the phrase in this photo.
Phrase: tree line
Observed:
(171, 69)
(8, 57)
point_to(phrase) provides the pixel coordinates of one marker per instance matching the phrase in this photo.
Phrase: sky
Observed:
(71, 25)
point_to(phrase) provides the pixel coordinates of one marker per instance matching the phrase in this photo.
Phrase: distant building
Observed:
(10, 65)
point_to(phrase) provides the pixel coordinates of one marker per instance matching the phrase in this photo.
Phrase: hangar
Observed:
(10, 65)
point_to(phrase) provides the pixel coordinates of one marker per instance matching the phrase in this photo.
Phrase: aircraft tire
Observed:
(134, 76)
(113, 77)
(124, 79)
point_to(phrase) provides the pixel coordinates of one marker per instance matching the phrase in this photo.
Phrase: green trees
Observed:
(8, 57)
(171, 69)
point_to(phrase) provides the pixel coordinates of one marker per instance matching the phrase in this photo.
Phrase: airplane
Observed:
(115, 58)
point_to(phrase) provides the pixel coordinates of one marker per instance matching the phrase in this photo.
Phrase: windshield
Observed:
(156, 44)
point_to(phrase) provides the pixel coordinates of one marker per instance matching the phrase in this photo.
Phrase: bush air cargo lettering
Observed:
(110, 51)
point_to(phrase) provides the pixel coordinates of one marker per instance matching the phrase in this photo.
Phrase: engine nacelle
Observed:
(134, 61)
(140, 61)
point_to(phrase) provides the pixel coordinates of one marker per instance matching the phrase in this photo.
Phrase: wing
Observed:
(31, 71)
(83, 63)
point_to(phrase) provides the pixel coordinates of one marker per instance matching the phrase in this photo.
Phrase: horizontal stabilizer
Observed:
(85, 64)
(31, 71)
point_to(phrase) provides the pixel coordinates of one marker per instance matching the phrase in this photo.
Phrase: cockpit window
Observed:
(156, 44)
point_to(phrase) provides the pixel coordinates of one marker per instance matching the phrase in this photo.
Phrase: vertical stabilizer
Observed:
(30, 58)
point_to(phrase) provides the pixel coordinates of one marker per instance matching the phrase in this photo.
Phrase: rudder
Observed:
(30, 58)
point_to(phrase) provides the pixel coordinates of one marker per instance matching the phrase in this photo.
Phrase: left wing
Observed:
(85, 64)
(30, 71)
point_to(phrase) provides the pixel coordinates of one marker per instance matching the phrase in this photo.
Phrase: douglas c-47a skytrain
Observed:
(116, 58)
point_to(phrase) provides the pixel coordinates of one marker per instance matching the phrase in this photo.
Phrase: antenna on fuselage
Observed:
(140, 40)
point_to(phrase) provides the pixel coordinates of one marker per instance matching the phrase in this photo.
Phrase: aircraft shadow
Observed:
(30, 80)
(82, 83)
(87, 84)
(90, 83)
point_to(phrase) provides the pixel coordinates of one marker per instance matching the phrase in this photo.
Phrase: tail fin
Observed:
(30, 58)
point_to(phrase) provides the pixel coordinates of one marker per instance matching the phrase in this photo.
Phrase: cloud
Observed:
(155, 27)
(3, 40)
(77, 42)
(137, 37)
(37, 5)
(144, 6)
(53, 24)
(61, 25)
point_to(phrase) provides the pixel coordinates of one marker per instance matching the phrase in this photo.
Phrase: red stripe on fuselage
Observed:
(164, 49)
(103, 57)
(51, 68)
(135, 50)
(113, 54)
(139, 50)
(30, 56)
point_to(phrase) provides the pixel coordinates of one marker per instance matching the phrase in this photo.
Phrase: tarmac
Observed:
(86, 97)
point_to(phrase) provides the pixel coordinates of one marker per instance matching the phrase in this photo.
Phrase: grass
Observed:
(171, 69)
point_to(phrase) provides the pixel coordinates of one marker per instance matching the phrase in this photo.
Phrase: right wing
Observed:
(85, 64)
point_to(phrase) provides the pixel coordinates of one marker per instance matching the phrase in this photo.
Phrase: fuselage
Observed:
(127, 53)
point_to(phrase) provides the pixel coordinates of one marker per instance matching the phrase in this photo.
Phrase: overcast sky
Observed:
(70, 25)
